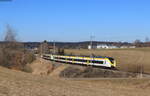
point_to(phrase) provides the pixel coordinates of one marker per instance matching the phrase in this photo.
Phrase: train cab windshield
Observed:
(111, 60)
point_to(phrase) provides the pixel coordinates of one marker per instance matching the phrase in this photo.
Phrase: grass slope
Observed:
(15, 83)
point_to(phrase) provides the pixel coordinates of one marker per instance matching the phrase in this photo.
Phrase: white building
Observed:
(128, 47)
(132, 47)
(102, 46)
(91, 47)
(105, 46)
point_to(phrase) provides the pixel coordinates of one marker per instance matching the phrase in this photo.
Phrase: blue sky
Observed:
(76, 20)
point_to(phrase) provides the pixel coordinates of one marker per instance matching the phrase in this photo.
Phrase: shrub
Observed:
(14, 56)
(27, 69)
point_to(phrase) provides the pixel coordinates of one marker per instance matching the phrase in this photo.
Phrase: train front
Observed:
(112, 62)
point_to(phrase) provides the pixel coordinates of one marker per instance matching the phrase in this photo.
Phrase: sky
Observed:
(76, 20)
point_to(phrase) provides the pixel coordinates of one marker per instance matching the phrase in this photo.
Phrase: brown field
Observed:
(127, 59)
(15, 83)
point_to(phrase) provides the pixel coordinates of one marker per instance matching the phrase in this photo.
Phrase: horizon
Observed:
(76, 20)
(74, 41)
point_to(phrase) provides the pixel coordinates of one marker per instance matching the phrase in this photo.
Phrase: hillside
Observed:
(16, 83)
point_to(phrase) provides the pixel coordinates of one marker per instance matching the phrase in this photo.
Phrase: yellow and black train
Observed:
(107, 62)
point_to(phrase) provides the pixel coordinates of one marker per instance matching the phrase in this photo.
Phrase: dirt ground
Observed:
(16, 83)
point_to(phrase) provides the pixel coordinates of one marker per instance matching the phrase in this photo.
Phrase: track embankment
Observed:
(62, 70)
(90, 72)
(41, 67)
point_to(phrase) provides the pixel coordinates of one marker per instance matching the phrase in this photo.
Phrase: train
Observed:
(107, 62)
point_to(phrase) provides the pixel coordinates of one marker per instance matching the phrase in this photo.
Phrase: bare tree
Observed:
(10, 34)
(147, 39)
(137, 41)
(13, 55)
(44, 48)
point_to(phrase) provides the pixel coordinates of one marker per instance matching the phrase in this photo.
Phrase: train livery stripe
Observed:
(104, 61)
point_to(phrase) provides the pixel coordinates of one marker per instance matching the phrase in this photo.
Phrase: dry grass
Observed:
(41, 67)
(127, 59)
(15, 83)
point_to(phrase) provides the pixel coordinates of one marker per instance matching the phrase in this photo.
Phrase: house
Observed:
(91, 47)
(102, 46)
(106, 46)
(132, 46)
(128, 47)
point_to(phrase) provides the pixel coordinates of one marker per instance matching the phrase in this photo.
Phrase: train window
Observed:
(98, 62)
(76, 59)
(70, 59)
(80, 60)
(62, 58)
(84, 60)
(111, 60)
(56, 57)
(59, 58)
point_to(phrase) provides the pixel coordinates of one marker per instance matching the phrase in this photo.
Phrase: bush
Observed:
(14, 56)
(27, 69)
